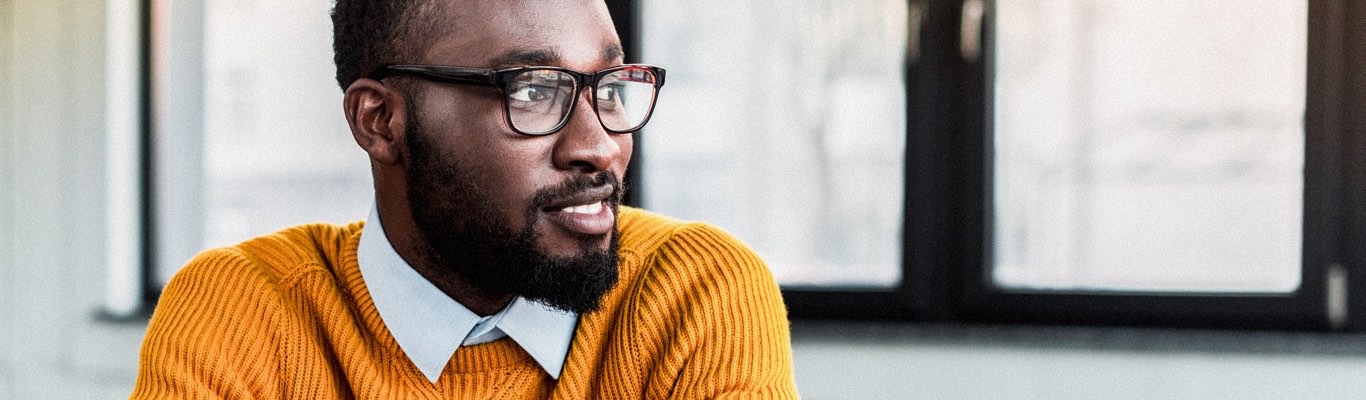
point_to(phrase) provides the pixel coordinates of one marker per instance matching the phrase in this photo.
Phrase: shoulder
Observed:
(678, 259)
(297, 249)
(696, 299)
(246, 284)
(221, 324)
(643, 231)
(646, 235)
(259, 266)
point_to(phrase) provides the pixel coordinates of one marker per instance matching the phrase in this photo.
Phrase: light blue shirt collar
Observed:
(431, 326)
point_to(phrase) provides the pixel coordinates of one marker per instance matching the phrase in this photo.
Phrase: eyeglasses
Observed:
(539, 100)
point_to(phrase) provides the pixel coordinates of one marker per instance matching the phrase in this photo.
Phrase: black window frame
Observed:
(947, 238)
(1305, 308)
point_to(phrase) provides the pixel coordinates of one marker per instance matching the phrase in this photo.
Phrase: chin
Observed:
(566, 247)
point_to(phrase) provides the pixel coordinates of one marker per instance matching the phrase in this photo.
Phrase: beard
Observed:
(459, 221)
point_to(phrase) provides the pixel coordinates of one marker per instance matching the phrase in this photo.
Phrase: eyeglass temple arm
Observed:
(469, 76)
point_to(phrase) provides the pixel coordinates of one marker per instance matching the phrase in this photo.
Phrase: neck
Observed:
(408, 242)
(455, 286)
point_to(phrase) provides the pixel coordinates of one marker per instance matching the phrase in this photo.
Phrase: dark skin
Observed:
(467, 124)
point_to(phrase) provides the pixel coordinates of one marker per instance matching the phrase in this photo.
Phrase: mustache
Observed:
(578, 184)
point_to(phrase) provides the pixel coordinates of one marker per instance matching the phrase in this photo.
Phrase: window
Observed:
(1074, 162)
(1155, 163)
(785, 128)
(274, 149)
(1167, 163)
(1154, 146)
(125, 114)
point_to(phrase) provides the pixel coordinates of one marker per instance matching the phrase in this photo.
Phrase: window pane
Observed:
(784, 123)
(277, 151)
(1149, 145)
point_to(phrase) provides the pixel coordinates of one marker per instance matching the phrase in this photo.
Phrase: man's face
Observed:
(525, 215)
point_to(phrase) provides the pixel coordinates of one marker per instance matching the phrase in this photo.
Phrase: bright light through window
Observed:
(1149, 145)
(784, 123)
(277, 151)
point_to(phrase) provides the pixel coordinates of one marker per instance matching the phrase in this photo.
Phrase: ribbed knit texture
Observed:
(695, 315)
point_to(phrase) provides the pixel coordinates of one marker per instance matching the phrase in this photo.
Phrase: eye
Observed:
(531, 93)
(609, 94)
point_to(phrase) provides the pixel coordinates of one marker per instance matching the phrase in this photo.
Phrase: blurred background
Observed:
(1063, 199)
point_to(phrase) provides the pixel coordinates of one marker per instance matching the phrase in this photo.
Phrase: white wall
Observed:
(6, 191)
(51, 234)
(51, 274)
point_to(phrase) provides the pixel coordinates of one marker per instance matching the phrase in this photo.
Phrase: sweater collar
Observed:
(430, 327)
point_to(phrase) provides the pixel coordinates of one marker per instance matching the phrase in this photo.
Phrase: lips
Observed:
(588, 212)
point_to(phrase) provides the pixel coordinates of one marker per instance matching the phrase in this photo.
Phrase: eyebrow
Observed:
(526, 57)
(612, 53)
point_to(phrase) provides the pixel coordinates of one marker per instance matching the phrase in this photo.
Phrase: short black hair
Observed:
(367, 34)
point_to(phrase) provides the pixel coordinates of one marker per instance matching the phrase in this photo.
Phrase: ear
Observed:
(378, 116)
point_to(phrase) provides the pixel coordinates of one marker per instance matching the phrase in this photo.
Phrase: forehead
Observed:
(576, 34)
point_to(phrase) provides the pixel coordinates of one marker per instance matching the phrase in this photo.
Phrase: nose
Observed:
(583, 145)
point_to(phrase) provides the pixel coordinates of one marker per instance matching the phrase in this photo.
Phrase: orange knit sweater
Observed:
(287, 316)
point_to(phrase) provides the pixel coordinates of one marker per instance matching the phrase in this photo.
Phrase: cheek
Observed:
(478, 141)
(506, 174)
(511, 170)
(512, 178)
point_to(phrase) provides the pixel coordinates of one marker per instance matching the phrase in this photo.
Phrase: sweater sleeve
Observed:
(728, 334)
(213, 333)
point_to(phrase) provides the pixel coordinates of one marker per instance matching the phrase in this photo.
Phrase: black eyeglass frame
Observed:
(501, 78)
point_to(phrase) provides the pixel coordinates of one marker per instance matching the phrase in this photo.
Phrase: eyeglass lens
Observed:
(538, 101)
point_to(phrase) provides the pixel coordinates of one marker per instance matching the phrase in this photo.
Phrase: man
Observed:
(496, 262)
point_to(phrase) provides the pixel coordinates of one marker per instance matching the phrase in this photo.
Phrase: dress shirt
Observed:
(431, 326)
